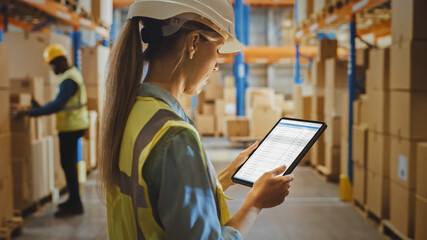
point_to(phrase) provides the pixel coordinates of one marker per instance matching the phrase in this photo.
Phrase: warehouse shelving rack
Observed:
(345, 14)
(35, 15)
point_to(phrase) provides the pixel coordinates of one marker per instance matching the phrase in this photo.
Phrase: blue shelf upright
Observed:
(351, 93)
(240, 69)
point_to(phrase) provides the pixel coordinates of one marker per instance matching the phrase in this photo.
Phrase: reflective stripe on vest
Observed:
(131, 194)
(129, 185)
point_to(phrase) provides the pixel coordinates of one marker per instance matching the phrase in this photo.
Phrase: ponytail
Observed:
(123, 81)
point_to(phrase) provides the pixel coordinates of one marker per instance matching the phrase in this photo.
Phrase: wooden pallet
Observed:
(388, 229)
(12, 228)
(243, 141)
(327, 175)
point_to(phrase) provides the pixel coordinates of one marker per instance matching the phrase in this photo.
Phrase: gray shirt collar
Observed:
(149, 90)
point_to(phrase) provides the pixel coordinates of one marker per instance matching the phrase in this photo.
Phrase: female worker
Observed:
(158, 181)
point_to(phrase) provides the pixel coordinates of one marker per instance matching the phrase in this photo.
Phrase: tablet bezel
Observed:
(289, 169)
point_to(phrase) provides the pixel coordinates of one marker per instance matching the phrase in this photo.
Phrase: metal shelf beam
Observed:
(343, 13)
(62, 13)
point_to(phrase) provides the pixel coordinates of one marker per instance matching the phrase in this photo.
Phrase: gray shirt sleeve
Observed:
(182, 195)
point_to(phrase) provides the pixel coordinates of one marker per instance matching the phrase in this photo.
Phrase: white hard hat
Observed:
(219, 13)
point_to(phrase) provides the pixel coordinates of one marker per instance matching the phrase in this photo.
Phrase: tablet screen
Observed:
(281, 147)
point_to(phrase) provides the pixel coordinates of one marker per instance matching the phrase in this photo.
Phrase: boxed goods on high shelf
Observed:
(6, 184)
(304, 10)
(216, 103)
(102, 12)
(407, 114)
(94, 61)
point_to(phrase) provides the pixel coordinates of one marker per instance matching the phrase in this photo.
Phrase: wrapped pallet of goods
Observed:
(6, 181)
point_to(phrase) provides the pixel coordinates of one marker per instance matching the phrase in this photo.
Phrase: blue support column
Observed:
(351, 93)
(1, 34)
(297, 76)
(77, 43)
(239, 68)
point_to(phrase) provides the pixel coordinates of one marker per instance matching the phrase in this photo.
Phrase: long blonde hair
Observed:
(126, 64)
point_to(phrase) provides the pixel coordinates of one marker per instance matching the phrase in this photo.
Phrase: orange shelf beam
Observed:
(21, 24)
(61, 12)
(343, 13)
(268, 3)
(269, 55)
(122, 3)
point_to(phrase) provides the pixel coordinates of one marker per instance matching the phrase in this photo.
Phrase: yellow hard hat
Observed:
(53, 51)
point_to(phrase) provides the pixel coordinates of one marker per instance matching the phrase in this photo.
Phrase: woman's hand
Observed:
(225, 176)
(270, 189)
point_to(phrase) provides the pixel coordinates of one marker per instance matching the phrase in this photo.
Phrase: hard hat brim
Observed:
(232, 45)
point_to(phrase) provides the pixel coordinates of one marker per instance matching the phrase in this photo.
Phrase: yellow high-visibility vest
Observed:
(129, 211)
(75, 115)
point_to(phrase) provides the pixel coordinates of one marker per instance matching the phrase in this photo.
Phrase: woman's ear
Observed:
(193, 40)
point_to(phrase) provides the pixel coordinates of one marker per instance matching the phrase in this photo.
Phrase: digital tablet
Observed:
(286, 144)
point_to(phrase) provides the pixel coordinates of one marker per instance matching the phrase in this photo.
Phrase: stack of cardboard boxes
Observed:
(94, 61)
(378, 158)
(216, 104)
(262, 111)
(6, 184)
(304, 10)
(408, 128)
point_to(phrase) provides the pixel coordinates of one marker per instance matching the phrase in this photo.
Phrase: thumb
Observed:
(278, 170)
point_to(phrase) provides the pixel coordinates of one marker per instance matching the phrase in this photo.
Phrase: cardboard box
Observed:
(318, 152)
(252, 93)
(27, 49)
(333, 101)
(102, 11)
(4, 111)
(6, 156)
(364, 108)
(229, 94)
(213, 91)
(22, 195)
(408, 18)
(94, 61)
(208, 108)
(236, 127)
(420, 217)
(403, 159)
(360, 144)
(357, 111)
(378, 194)
(205, 124)
(344, 115)
(6, 200)
(379, 111)
(402, 208)
(362, 57)
(30, 85)
(50, 163)
(379, 153)
(59, 176)
(344, 156)
(407, 66)
(336, 73)
(421, 166)
(359, 183)
(20, 100)
(262, 120)
(4, 67)
(378, 75)
(318, 106)
(318, 74)
(408, 114)
(229, 81)
(332, 159)
(305, 9)
(21, 145)
(333, 132)
(326, 48)
(320, 5)
(26, 126)
(21, 170)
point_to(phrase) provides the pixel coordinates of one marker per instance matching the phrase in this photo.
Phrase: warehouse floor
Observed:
(311, 211)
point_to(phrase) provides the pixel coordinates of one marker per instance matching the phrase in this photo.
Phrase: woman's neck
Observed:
(161, 75)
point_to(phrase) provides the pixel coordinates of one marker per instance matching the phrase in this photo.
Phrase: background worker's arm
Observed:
(66, 90)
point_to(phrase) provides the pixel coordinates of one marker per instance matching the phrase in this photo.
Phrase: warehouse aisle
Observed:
(312, 210)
